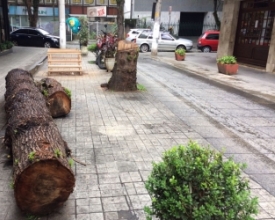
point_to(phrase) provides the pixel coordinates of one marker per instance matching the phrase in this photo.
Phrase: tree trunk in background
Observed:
(58, 102)
(120, 19)
(124, 74)
(124, 77)
(32, 14)
(43, 179)
(215, 13)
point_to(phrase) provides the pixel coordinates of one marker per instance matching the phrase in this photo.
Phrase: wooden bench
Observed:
(64, 61)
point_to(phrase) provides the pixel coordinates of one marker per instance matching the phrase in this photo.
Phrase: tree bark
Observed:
(215, 13)
(120, 19)
(43, 179)
(124, 74)
(32, 9)
(58, 102)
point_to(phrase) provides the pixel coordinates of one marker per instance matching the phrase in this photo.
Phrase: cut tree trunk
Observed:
(58, 102)
(43, 179)
(124, 76)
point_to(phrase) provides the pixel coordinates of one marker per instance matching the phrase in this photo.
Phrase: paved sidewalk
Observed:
(250, 80)
(117, 135)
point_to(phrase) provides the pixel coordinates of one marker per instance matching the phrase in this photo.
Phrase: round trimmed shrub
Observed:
(194, 183)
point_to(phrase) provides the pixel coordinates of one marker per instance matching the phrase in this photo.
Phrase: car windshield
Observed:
(43, 32)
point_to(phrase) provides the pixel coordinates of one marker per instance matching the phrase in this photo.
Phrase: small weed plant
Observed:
(31, 217)
(12, 185)
(57, 153)
(194, 183)
(140, 87)
(68, 92)
(45, 93)
(71, 162)
(31, 156)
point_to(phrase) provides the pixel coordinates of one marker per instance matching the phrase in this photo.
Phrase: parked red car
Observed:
(209, 41)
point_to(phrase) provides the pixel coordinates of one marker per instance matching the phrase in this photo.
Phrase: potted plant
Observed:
(227, 65)
(180, 54)
(110, 59)
(83, 35)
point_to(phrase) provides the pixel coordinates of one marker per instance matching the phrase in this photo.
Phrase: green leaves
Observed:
(180, 51)
(193, 182)
(227, 60)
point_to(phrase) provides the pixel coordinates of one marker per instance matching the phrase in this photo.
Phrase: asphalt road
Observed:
(231, 121)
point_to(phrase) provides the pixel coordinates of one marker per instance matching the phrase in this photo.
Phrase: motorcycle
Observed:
(105, 42)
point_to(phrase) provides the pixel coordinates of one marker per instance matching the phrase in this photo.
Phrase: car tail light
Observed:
(128, 35)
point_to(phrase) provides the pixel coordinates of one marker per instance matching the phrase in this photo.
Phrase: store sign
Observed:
(99, 11)
(42, 11)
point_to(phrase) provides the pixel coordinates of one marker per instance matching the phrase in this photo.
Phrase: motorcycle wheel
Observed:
(100, 61)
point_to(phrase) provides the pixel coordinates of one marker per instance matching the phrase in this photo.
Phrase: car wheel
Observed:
(181, 47)
(206, 49)
(144, 48)
(47, 44)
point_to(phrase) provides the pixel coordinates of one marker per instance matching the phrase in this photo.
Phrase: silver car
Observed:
(132, 34)
(166, 42)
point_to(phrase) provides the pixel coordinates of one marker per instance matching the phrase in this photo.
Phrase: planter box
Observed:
(179, 57)
(229, 69)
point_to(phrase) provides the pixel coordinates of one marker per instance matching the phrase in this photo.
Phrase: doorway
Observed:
(254, 31)
(191, 24)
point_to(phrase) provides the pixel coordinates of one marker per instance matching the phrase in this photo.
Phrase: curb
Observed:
(264, 99)
(34, 68)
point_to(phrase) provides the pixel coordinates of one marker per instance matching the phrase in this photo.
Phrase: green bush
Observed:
(6, 45)
(3, 47)
(227, 60)
(92, 47)
(194, 183)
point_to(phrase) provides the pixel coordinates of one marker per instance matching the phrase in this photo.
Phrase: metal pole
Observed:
(62, 24)
(131, 11)
(154, 50)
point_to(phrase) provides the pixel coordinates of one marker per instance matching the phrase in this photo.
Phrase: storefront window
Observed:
(256, 26)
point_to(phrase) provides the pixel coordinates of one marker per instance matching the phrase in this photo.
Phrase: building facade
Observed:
(188, 17)
(247, 32)
(48, 17)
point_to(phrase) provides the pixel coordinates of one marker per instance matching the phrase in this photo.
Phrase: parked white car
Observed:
(166, 42)
(131, 35)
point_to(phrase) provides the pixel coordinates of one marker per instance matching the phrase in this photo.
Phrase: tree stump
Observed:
(124, 76)
(58, 101)
(43, 179)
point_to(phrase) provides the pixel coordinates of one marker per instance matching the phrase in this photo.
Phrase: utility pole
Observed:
(131, 11)
(154, 50)
(62, 24)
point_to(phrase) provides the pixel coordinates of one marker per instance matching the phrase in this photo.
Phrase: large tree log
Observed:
(58, 101)
(43, 179)
(124, 76)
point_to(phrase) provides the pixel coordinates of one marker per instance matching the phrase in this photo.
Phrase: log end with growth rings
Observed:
(43, 187)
